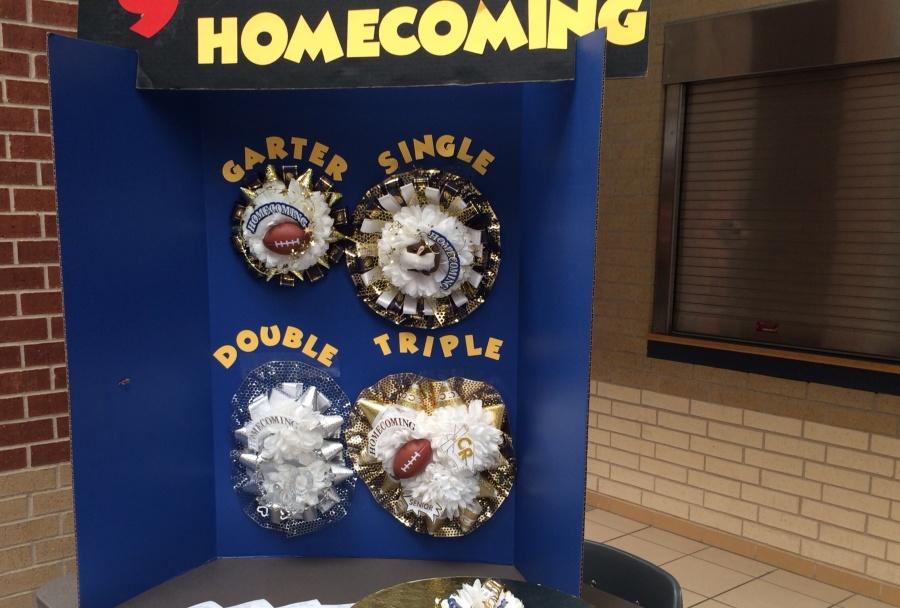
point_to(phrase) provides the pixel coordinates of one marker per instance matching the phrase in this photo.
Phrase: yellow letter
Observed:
(471, 350)
(537, 24)
(429, 344)
(441, 11)
(382, 341)
(292, 337)
(492, 350)
(336, 167)
(487, 29)
(482, 161)
(317, 156)
(270, 335)
(247, 341)
(226, 355)
(631, 30)
(389, 31)
(448, 344)
(421, 148)
(361, 33)
(327, 355)
(232, 172)
(388, 162)
(208, 40)
(324, 40)
(264, 23)
(275, 147)
(564, 19)
(446, 146)
(299, 144)
(308, 349)
(252, 158)
(407, 343)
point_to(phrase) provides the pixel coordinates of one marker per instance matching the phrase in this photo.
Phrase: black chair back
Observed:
(628, 577)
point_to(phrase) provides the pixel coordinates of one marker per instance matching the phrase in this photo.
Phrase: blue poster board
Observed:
(153, 287)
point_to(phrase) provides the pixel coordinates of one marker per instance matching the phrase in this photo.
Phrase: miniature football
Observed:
(287, 238)
(412, 458)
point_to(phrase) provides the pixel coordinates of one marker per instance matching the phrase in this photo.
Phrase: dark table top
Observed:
(284, 580)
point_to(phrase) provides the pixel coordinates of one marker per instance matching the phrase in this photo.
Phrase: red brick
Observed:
(51, 229)
(49, 403)
(48, 174)
(20, 330)
(45, 353)
(20, 225)
(49, 453)
(17, 119)
(43, 121)
(60, 377)
(16, 433)
(54, 13)
(28, 92)
(18, 173)
(41, 303)
(62, 426)
(11, 460)
(57, 328)
(25, 381)
(27, 199)
(10, 357)
(31, 146)
(13, 9)
(9, 305)
(14, 64)
(37, 252)
(12, 408)
(5, 199)
(54, 280)
(41, 69)
(21, 277)
(6, 252)
(25, 37)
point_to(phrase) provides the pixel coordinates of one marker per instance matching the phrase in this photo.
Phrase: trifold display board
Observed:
(153, 287)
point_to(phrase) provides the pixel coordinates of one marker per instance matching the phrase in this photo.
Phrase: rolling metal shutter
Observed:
(789, 210)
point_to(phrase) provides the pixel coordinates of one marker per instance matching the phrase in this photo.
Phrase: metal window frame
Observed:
(788, 37)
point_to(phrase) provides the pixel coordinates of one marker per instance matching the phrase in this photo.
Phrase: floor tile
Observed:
(732, 561)
(690, 598)
(760, 594)
(807, 586)
(672, 541)
(704, 578)
(600, 533)
(858, 601)
(711, 604)
(614, 521)
(653, 553)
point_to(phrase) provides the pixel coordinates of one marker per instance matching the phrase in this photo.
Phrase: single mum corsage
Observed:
(289, 455)
(287, 227)
(425, 250)
(491, 594)
(435, 454)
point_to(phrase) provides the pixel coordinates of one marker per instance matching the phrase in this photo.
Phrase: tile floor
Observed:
(713, 578)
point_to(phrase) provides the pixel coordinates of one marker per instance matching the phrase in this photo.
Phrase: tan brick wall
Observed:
(36, 527)
(623, 298)
(819, 491)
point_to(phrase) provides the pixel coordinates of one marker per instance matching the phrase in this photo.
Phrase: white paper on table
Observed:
(308, 604)
(206, 605)
(254, 604)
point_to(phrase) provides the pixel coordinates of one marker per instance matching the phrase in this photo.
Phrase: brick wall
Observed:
(36, 528)
(821, 492)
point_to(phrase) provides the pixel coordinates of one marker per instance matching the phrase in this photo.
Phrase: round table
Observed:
(422, 594)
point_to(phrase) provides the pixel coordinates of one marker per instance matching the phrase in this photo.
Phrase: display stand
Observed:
(153, 287)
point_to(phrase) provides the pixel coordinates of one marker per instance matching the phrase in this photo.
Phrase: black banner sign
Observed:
(272, 44)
